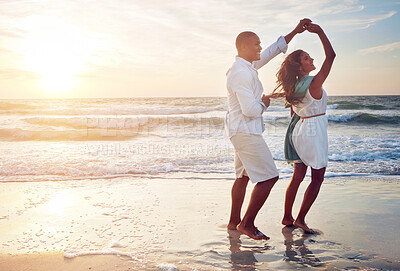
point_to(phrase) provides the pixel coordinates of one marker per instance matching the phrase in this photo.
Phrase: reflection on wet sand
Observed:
(296, 250)
(240, 259)
(243, 257)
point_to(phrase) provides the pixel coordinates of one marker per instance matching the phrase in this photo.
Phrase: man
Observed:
(244, 126)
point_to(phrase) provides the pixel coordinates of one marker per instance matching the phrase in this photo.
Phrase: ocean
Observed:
(75, 139)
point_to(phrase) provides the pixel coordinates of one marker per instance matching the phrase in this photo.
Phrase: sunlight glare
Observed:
(59, 203)
(57, 51)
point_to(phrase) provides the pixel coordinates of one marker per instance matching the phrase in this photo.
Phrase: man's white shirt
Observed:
(245, 107)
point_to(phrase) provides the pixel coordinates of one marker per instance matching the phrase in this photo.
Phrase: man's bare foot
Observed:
(253, 232)
(288, 221)
(303, 226)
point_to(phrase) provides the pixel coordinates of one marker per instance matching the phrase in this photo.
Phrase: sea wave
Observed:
(109, 128)
(17, 134)
(199, 175)
(91, 122)
(277, 108)
(120, 123)
(9, 106)
(346, 105)
(347, 118)
(342, 118)
(125, 109)
(365, 118)
(125, 127)
(364, 148)
(94, 169)
(281, 108)
(332, 106)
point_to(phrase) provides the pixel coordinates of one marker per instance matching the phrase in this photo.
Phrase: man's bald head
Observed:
(248, 46)
(243, 38)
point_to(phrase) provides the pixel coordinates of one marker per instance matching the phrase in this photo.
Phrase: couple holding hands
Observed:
(306, 142)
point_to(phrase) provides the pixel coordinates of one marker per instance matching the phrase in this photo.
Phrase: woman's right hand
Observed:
(266, 100)
(314, 28)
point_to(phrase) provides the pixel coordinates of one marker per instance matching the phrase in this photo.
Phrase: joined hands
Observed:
(306, 24)
(302, 26)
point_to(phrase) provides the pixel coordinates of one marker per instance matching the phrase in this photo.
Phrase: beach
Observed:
(144, 184)
(180, 224)
(117, 124)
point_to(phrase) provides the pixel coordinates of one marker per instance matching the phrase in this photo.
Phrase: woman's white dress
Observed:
(310, 135)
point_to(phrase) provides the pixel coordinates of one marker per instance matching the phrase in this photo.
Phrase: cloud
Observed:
(138, 35)
(358, 23)
(10, 34)
(191, 22)
(6, 74)
(381, 48)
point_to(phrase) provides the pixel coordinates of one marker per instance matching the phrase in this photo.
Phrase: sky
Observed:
(177, 48)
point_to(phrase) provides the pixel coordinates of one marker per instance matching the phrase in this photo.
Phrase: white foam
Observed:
(277, 108)
(281, 108)
(190, 162)
(62, 161)
(116, 244)
(345, 174)
(106, 251)
(105, 166)
(275, 117)
(365, 148)
(332, 106)
(343, 117)
(167, 267)
(328, 174)
(285, 170)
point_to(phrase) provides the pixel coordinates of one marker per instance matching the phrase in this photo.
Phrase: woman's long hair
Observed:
(287, 77)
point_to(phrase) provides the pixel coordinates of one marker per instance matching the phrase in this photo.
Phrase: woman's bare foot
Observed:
(231, 226)
(303, 226)
(287, 221)
(252, 232)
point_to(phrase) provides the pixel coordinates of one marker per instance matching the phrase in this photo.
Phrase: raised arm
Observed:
(319, 79)
(298, 29)
(281, 45)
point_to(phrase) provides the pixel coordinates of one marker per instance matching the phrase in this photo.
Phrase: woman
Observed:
(306, 142)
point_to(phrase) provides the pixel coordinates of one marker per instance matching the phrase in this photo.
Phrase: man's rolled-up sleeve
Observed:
(251, 107)
(280, 46)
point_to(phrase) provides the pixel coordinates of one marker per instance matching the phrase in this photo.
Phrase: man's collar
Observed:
(247, 63)
(238, 58)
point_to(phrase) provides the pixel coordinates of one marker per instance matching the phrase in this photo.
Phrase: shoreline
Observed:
(182, 222)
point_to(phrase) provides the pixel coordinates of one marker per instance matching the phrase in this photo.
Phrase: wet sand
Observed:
(180, 224)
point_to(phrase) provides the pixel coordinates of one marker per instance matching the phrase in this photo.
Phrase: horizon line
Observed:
(172, 97)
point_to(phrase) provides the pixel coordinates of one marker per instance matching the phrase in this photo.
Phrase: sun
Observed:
(56, 51)
(58, 81)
